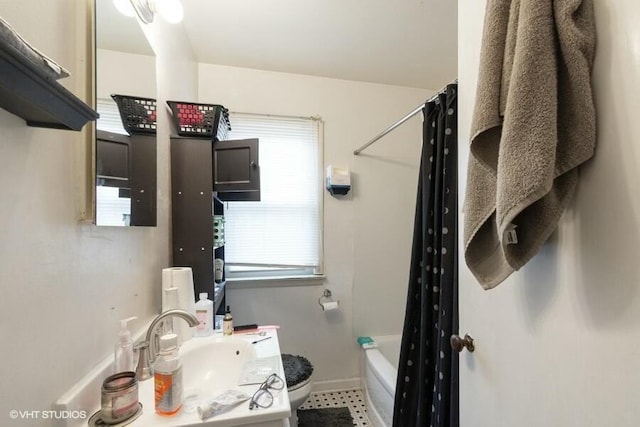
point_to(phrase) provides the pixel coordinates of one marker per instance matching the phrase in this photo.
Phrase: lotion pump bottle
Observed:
(123, 354)
(204, 313)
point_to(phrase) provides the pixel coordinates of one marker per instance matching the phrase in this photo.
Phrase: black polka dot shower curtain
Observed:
(427, 384)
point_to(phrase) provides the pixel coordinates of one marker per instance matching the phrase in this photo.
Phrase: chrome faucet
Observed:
(147, 348)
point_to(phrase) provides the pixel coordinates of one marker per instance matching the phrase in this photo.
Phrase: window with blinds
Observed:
(281, 235)
(109, 120)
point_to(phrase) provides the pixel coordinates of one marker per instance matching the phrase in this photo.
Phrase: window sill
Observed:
(274, 282)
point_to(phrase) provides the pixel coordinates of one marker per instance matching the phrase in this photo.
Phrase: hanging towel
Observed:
(533, 125)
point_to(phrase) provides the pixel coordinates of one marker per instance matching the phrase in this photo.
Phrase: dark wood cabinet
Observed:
(192, 208)
(142, 149)
(236, 170)
(202, 172)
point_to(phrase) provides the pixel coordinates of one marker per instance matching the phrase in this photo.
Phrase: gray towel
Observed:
(533, 125)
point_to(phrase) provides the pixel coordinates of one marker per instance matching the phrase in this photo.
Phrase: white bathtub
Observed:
(379, 372)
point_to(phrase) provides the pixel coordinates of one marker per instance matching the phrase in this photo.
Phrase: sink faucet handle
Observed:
(143, 369)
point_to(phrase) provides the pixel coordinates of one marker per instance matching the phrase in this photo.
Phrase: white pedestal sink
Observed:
(211, 365)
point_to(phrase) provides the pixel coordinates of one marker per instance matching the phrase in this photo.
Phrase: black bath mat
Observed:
(325, 417)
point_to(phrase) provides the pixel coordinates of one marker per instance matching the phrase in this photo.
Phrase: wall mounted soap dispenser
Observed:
(338, 180)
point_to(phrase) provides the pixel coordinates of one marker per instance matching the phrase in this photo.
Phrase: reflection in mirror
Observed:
(125, 165)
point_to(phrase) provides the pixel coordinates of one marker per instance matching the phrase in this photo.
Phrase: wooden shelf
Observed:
(39, 99)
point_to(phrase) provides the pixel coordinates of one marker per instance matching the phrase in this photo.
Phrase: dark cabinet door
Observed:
(112, 159)
(143, 180)
(236, 172)
(192, 210)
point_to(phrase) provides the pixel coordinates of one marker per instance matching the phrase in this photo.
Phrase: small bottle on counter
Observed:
(204, 313)
(227, 322)
(167, 377)
(123, 354)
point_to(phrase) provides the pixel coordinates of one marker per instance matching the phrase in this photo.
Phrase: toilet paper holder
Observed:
(325, 297)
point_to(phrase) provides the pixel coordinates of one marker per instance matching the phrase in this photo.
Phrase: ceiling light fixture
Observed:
(170, 10)
(125, 7)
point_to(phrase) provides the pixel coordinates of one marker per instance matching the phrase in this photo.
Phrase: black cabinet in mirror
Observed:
(125, 179)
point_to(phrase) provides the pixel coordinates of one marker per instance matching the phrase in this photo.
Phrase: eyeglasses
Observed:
(263, 398)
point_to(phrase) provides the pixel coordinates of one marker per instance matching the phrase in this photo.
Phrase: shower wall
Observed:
(387, 181)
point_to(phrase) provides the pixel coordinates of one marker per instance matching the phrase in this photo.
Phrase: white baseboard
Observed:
(337, 385)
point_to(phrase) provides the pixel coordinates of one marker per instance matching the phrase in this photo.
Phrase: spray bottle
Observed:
(123, 354)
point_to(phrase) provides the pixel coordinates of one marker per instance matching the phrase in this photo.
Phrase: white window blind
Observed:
(111, 209)
(282, 234)
(109, 119)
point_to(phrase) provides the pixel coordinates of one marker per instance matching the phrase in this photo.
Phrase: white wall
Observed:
(387, 185)
(176, 78)
(556, 344)
(353, 112)
(137, 77)
(65, 284)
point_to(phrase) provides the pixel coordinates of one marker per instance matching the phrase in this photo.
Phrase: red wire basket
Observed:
(204, 120)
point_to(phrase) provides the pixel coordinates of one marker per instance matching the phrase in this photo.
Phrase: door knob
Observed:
(458, 344)
(253, 164)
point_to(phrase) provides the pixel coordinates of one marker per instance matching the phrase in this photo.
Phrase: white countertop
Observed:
(85, 395)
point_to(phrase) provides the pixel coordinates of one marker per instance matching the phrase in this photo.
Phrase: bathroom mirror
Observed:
(125, 180)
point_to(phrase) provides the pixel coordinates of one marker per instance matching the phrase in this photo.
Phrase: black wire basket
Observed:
(138, 114)
(203, 120)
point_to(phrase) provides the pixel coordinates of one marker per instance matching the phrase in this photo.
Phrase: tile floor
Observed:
(352, 399)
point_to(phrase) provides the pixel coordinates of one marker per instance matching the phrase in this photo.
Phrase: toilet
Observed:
(297, 370)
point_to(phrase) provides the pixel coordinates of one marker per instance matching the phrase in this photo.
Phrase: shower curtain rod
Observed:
(401, 121)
